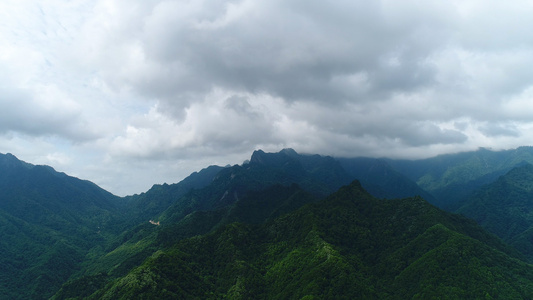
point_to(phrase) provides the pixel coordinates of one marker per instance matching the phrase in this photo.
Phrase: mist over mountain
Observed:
(381, 180)
(452, 177)
(279, 225)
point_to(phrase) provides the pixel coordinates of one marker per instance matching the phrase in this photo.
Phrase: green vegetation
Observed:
(254, 208)
(48, 223)
(452, 177)
(259, 230)
(505, 208)
(350, 246)
(156, 200)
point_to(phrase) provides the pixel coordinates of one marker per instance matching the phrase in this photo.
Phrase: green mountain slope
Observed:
(452, 177)
(208, 199)
(217, 187)
(39, 194)
(267, 186)
(160, 197)
(223, 193)
(253, 208)
(140, 242)
(49, 222)
(349, 246)
(56, 230)
(505, 207)
(315, 174)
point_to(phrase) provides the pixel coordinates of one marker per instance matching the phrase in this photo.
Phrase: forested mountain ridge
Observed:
(452, 177)
(47, 217)
(218, 201)
(254, 207)
(161, 196)
(50, 189)
(317, 174)
(350, 245)
(57, 229)
(505, 207)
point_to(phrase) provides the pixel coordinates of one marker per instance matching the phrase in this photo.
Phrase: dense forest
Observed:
(349, 245)
(279, 226)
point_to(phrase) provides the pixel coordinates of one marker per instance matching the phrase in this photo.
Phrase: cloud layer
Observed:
(128, 94)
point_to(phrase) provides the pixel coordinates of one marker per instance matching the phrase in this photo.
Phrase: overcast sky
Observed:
(132, 93)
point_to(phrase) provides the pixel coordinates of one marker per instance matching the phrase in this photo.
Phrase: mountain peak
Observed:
(260, 156)
(289, 152)
(9, 160)
(9, 156)
(354, 188)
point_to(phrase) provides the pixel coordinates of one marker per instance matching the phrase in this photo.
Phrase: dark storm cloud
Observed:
(158, 81)
(299, 51)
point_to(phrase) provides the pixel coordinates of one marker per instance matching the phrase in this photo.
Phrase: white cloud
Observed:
(134, 93)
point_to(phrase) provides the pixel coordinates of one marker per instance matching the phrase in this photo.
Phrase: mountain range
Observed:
(281, 225)
(505, 207)
(49, 222)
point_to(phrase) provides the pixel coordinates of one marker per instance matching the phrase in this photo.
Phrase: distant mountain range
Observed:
(452, 177)
(282, 225)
